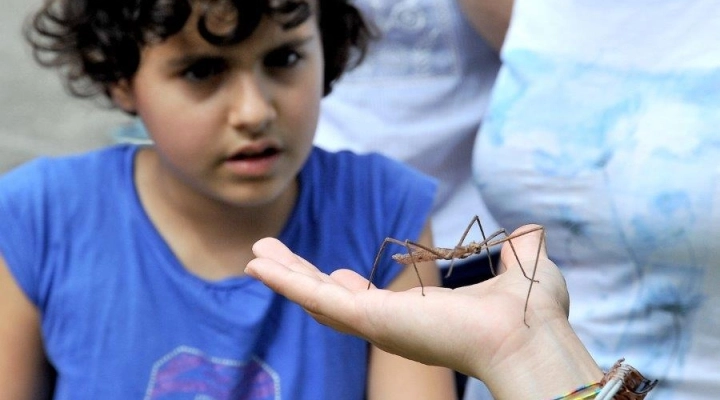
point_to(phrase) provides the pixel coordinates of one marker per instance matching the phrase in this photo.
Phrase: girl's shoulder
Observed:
(51, 206)
(68, 169)
(346, 164)
(60, 187)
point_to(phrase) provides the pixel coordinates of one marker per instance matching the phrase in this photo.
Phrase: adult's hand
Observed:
(479, 330)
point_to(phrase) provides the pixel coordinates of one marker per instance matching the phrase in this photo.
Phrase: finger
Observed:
(295, 284)
(525, 243)
(272, 273)
(275, 250)
(350, 279)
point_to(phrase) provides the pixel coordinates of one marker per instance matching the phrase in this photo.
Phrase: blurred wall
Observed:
(37, 116)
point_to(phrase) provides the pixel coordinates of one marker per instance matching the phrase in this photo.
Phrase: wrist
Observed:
(548, 359)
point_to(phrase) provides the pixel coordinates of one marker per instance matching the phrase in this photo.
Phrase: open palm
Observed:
(468, 329)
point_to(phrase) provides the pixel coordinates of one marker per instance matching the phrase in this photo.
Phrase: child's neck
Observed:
(211, 239)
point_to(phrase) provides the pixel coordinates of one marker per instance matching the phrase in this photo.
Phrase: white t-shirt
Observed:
(604, 126)
(419, 97)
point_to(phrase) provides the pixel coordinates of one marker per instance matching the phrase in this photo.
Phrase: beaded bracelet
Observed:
(622, 382)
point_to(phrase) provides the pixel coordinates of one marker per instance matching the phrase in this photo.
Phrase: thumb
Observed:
(525, 243)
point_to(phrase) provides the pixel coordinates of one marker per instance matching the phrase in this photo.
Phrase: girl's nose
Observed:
(251, 107)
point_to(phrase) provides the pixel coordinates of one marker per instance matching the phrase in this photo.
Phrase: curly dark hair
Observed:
(97, 43)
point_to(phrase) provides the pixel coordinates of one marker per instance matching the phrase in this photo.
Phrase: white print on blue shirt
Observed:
(190, 372)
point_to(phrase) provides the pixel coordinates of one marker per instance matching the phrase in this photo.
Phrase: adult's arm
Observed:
(491, 18)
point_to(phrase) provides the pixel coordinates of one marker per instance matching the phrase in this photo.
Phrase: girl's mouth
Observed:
(254, 164)
(248, 156)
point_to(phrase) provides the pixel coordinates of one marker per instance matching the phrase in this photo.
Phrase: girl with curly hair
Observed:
(122, 269)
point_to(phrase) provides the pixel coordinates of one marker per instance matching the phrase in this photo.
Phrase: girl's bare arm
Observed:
(394, 377)
(22, 359)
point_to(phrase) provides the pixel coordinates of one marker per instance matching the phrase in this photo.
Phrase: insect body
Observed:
(419, 253)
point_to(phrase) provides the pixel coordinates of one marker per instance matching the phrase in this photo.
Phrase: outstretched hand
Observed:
(470, 329)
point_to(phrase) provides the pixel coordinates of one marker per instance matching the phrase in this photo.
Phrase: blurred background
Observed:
(37, 116)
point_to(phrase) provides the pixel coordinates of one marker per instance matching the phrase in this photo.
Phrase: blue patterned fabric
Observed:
(604, 126)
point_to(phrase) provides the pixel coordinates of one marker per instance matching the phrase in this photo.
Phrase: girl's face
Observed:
(235, 123)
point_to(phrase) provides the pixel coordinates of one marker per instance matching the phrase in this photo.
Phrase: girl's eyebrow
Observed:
(296, 42)
(189, 59)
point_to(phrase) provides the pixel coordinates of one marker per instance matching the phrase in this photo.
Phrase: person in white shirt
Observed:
(419, 97)
(609, 113)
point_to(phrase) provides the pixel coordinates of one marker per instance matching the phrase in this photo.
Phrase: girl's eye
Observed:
(204, 69)
(282, 58)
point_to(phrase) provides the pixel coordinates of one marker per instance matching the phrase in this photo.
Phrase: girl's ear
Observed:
(123, 97)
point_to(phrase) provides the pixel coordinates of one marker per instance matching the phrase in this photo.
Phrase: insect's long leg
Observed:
(488, 243)
(377, 259)
(407, 245)
(531, 278)
(513, 236)
(477, 247)
(459, 245)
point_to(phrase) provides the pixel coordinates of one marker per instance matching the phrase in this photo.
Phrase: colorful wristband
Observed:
(624, 382)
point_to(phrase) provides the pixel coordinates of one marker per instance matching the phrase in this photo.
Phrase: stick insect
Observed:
(419, 253)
